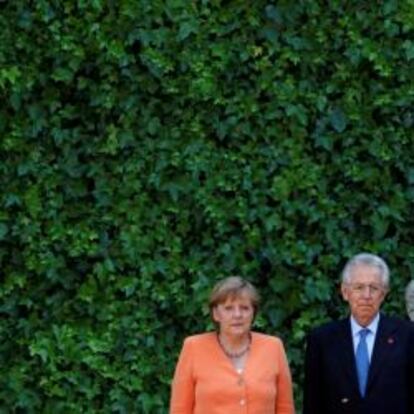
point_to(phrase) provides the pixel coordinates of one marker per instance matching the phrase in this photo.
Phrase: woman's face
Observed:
(234, 316)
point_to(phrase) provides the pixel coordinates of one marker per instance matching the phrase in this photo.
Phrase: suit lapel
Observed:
(384, 339)
(348, 359)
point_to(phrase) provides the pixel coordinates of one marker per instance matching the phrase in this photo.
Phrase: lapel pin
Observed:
(390, 340)
(344, 400)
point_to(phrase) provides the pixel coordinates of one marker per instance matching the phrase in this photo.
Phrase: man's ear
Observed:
(344, 292)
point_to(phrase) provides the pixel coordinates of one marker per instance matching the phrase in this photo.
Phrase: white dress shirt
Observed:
(370, 338)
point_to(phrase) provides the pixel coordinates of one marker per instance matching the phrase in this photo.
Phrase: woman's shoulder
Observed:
(200, 344)
(271, 340)
(201, 338)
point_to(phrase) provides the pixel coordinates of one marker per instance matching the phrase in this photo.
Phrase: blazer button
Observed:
(242, 401)
(345, 400)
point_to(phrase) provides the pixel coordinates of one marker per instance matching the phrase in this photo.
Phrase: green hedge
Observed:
(149, 148)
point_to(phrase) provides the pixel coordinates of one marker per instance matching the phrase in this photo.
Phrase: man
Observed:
(409, 299)
(363, 364)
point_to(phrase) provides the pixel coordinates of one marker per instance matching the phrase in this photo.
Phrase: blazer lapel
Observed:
(384, 339)
(348, 357)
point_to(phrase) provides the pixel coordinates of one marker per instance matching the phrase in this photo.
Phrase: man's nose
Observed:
(367, 292)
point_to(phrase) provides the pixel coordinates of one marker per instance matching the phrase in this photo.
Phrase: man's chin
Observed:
(364, 318)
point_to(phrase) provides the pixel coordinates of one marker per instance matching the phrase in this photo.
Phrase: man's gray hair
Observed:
(367, 259)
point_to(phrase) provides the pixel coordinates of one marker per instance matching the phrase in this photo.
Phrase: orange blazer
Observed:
(205, 381)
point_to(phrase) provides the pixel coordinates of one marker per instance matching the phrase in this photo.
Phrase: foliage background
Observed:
(149, 148)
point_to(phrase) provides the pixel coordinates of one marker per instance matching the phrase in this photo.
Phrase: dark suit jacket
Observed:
(331, 384)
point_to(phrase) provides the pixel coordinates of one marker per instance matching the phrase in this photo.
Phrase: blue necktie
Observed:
(362, 361)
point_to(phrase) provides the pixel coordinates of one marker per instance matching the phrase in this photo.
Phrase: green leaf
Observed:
(272, 13)
(186, 29)
(338, 120)
(3, 231)
(408, 46)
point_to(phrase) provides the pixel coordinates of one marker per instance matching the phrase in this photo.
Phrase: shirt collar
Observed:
(372, 327)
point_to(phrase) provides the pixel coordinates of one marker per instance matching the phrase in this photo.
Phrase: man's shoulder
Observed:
(330, 328)
(396, 322)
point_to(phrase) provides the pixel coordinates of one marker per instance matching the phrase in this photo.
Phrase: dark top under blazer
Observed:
(331, 384)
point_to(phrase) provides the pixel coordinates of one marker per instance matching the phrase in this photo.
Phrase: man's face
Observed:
(364, 293)
(409, 300)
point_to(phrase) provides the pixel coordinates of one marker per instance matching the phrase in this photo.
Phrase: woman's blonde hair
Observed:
(233, 287)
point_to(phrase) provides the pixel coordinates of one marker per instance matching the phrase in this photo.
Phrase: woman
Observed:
(233, 370)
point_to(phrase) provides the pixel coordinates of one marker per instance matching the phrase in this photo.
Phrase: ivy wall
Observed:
(149, 148)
